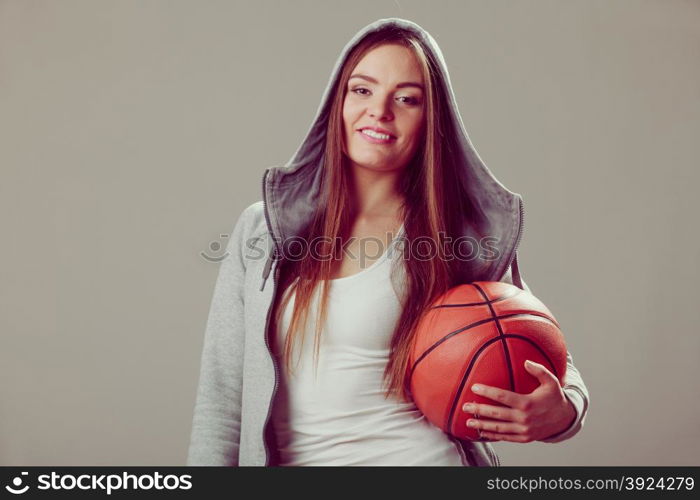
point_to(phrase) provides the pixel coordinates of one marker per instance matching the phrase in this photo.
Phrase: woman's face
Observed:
(385, 92)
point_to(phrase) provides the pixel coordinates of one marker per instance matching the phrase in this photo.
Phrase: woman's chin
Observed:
(375, 166)
(373, 163)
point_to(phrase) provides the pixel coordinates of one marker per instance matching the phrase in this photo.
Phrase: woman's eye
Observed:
(409, 100)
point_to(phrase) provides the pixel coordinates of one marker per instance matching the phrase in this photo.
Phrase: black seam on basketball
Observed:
(456, 397)
(536, 346)
(469, 326)
(465, 376)
(509, 363)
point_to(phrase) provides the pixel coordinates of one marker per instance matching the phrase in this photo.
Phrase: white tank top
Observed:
(341, 417)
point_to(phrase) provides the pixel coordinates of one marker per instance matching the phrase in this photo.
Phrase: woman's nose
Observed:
(380, 109)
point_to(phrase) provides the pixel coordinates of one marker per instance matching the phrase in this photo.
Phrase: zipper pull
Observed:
(268, 266)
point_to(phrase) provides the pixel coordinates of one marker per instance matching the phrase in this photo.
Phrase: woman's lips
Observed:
(374, 140)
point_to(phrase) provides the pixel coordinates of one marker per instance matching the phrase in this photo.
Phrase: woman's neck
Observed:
(374, 195)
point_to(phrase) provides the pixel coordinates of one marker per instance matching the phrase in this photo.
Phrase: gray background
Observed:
(133, 133)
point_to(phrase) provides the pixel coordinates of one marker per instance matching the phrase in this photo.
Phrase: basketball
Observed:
(480, 332)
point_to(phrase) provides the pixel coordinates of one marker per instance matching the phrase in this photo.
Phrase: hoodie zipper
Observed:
(275, 276)
(522, 224)
(268, 263)
(274, 364)
(496, 458)
(521, 227)
(270, 260)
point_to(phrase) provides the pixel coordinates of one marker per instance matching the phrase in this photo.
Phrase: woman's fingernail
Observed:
(468, 407)
(471, 423)
(476, 388)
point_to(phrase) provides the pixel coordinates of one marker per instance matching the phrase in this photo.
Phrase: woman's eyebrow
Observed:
(398, 86)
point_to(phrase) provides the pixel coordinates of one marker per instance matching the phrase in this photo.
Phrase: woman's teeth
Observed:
(376, 135)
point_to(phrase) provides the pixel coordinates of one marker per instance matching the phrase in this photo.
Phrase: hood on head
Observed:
(291, 192)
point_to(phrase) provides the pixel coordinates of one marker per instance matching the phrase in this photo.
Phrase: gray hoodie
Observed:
(239, 375)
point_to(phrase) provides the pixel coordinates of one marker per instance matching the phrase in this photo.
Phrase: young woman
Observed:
(313, 370)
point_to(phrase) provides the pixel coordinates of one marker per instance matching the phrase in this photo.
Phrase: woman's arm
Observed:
(574, 388)
(216, 423)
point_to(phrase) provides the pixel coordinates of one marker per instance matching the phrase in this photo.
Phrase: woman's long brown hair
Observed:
(433, 208)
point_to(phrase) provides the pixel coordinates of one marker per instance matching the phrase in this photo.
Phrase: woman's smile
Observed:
(376, 138)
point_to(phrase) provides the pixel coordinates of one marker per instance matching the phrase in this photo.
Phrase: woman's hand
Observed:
(526, 417)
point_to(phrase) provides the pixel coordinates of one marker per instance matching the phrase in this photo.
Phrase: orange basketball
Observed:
(480, 332)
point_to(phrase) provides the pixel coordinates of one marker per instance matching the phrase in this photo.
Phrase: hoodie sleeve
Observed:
(574, 388)
(214, 439)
